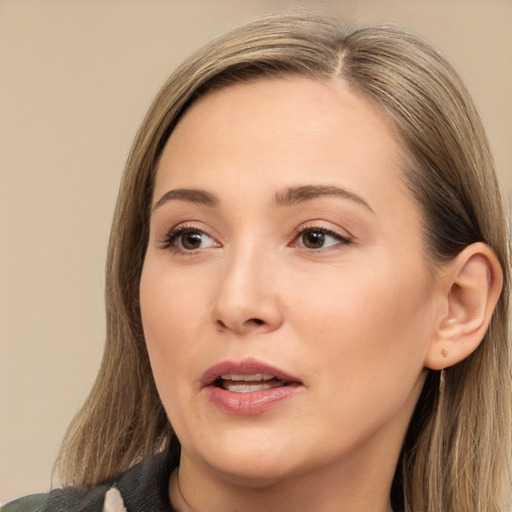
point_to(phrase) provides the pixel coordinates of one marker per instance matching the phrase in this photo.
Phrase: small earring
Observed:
(451, 321)
(441, 381)
(444, 352)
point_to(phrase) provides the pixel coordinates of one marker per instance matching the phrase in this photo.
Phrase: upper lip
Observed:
(248, 366)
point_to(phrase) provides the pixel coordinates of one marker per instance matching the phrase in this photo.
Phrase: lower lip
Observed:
(255, 402)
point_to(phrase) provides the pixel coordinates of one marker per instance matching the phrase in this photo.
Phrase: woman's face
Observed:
(286, 297)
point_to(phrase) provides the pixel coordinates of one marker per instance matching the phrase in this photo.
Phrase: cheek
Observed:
(365, 342)
(366, 320)
(172, 323)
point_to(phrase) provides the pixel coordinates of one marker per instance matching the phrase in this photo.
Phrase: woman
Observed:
(308, 279)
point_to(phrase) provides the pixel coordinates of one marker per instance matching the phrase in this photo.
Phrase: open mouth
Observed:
(249, 383)
(248, 386)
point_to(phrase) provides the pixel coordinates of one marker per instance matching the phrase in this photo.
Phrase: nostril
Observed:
(253, 321)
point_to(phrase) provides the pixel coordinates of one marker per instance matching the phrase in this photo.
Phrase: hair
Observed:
(457, 450)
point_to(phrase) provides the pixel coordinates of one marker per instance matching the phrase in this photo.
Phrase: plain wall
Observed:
(76, 78)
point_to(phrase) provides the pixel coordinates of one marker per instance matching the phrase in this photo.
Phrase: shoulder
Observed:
(62, 500)
(32, 503)
(145, 486)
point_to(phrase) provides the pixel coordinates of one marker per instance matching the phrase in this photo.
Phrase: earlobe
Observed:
(472, 284)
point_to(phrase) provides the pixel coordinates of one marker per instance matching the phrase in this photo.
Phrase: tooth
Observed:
(248, 378)
(245, 388)
(255, 377)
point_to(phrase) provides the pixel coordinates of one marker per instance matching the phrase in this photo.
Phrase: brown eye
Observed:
(313, 239)
(184, 239)
(191, 240)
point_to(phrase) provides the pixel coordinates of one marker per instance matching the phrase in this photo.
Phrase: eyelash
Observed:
(342, 239)
(173, 235)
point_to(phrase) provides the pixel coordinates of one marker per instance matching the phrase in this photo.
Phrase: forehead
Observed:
(292, 106)
(284, 132)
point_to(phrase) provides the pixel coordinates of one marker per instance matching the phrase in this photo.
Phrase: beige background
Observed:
(76, 79)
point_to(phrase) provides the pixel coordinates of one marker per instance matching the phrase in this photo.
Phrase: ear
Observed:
(472, 284)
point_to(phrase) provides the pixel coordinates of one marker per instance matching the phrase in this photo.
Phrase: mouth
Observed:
(246, 375)
(238, 383)
(248, 387)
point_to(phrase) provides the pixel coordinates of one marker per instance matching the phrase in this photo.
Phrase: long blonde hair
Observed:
(457, 450)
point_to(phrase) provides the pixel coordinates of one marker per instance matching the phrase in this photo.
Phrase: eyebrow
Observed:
(296, 195)
(292, 196)
(190, 195)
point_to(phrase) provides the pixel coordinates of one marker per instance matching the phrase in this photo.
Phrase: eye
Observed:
(320, 238)
(188, 239)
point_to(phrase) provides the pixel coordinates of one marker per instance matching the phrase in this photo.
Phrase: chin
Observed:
(254, 474)
(250, 460)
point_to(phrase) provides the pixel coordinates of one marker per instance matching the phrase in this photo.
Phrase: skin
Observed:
(352, 319)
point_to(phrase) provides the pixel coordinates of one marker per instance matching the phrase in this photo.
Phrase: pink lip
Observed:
(251, 403)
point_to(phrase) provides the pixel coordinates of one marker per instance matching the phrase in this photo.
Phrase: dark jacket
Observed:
(143, 488)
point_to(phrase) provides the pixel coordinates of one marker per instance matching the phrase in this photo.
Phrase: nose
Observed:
(247, 299)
